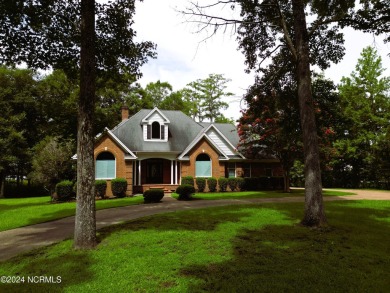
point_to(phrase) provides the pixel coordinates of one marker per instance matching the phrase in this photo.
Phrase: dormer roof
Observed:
(154, 115)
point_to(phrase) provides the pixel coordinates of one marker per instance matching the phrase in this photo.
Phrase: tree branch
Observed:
(287, 36)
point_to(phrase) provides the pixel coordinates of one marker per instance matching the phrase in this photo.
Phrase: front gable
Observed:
(217, 140)
(107, 141)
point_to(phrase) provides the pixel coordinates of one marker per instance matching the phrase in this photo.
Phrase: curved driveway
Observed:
(20, 240)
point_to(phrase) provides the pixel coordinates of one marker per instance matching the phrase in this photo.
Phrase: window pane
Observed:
(203, 169)
(105, 169)
(155, 130)
(232, 172)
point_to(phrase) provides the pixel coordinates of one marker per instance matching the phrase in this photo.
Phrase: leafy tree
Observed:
(209, 92)
(112, 95)
(51, 162)
(270, 126)
(57, 104)
(371, 16)
(194, 102)
(278, 29)
(157, 92)
(10, 137)
(177, 101)
(366, 106)
(20, 121)
(223, 119)
(47, 34)
(62, 35)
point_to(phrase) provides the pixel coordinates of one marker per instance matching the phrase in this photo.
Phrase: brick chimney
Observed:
(125, 113)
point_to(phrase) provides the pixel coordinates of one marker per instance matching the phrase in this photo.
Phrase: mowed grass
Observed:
(19, 212)
(260, 194)
(251, 248)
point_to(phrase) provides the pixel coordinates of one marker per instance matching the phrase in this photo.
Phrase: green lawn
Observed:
(260, 194)
(19, 212)
(251, 248)
(39, 209)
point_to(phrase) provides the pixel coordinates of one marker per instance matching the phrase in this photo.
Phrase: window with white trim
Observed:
(203, 166)
(155, 131)
(105, 166)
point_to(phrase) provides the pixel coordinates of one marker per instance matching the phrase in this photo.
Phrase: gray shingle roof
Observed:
(182, 131)
(228, 130)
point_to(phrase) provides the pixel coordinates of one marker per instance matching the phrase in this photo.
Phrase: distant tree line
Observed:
(38, 125)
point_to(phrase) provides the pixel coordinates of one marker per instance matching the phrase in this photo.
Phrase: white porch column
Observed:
(175, 172)
(139, 172)
(172, 172)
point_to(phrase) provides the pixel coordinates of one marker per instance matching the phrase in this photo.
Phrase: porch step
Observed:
(165, 189)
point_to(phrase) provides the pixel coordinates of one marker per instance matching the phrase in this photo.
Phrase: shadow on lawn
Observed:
(190, 220)
(61, 271)
(353, 254)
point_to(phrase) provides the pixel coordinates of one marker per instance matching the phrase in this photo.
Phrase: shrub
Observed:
(240, 183)
(153, 195)
(185, 191)
(64, 190)
(212, 184)
(222, 182)
(232, 182)
(251, 183)
(201, 183)
(187, 180)
(119, 187)
(100, 188)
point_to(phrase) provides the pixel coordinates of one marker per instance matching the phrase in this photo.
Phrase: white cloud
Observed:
(183, 58)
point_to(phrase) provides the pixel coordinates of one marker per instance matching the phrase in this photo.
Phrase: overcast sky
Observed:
(183, 58)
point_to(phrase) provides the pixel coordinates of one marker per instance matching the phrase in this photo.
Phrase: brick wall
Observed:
(188, 167)
(124, 168)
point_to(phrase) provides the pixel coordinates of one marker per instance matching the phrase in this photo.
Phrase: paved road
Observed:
(20, 240)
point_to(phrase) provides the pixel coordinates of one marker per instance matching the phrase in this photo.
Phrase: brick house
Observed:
(156, 148)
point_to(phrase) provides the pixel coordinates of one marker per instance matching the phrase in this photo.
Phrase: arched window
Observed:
(156, 130)
(105, 166)
(203, 166)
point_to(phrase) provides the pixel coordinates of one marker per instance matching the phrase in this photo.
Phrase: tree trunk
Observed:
(2, 185)
(286, 178)
(314, 209)
(85, 224)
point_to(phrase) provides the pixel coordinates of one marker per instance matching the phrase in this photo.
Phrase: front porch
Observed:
(156, 173)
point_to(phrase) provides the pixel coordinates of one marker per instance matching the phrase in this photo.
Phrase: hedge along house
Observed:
(156, 148)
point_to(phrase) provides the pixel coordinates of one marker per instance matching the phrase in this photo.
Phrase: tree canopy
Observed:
(47, 34)
(206, 95)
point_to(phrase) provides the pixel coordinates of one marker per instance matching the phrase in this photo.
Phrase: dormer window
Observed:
(157, 130)
(155, 126)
